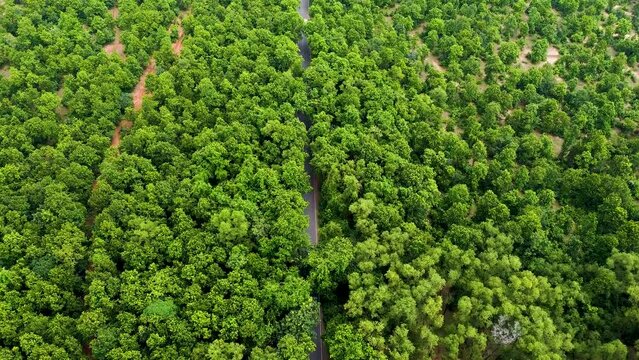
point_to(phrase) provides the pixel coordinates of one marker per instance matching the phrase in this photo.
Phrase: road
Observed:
(312, 198)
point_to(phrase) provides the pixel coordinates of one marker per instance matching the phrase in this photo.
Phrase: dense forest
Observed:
(477, 166)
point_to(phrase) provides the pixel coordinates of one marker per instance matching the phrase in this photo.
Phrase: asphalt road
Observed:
(312, 198)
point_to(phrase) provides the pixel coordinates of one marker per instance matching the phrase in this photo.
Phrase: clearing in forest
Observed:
(116, 47)
(552, 55)
(4, 71)
(140, 89)
(434, 62)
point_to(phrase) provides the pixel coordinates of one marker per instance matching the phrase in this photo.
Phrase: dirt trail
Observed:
(116, 47)
(61, 110)
(177, 45)
(115, 139)
(417, 34)
(434, 61)
(140, 89)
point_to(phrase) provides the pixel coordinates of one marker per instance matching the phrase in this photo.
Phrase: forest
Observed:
(475, 163)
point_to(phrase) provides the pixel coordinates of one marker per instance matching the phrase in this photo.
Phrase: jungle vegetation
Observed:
(478, 161)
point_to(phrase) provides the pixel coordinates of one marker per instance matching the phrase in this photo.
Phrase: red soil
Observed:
(116, 47)
(115, 139)
(177, 45)
(140, 88)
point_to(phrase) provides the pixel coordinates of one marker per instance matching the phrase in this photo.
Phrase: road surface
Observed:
(312, 198)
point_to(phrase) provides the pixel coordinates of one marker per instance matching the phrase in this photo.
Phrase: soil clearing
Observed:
(177, 45)
(140, 88)
(557, 142)
(434, 61)
(4, 72)
(417, 33)
(552, 55)
(116, 47)
(115, 12)
(115, 139)
(523, 56)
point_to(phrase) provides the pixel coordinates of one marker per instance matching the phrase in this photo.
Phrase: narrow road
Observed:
(312, 198)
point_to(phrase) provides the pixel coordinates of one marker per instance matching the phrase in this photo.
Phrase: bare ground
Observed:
(61, 110)
(115, 12)
(417, 34)
(178, 44)
(115, 139)
(4, 72)
(140, 89)
(557, 142)
(116, 47)
(523, 56)
(552, 55)
(434, 61)
(388, 14)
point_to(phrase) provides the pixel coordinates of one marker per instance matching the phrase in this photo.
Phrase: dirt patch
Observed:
(523, 56)
(115, 139)
(552, 55)
(557, 142)
(417, 34)
(115, 12)
(388, 14)
(177, 45)
(140, 89)
(4, 72)
(61, 110)
(116, 47)
(434, 62)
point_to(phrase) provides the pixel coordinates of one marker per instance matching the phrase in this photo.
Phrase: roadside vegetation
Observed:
(478, 163)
